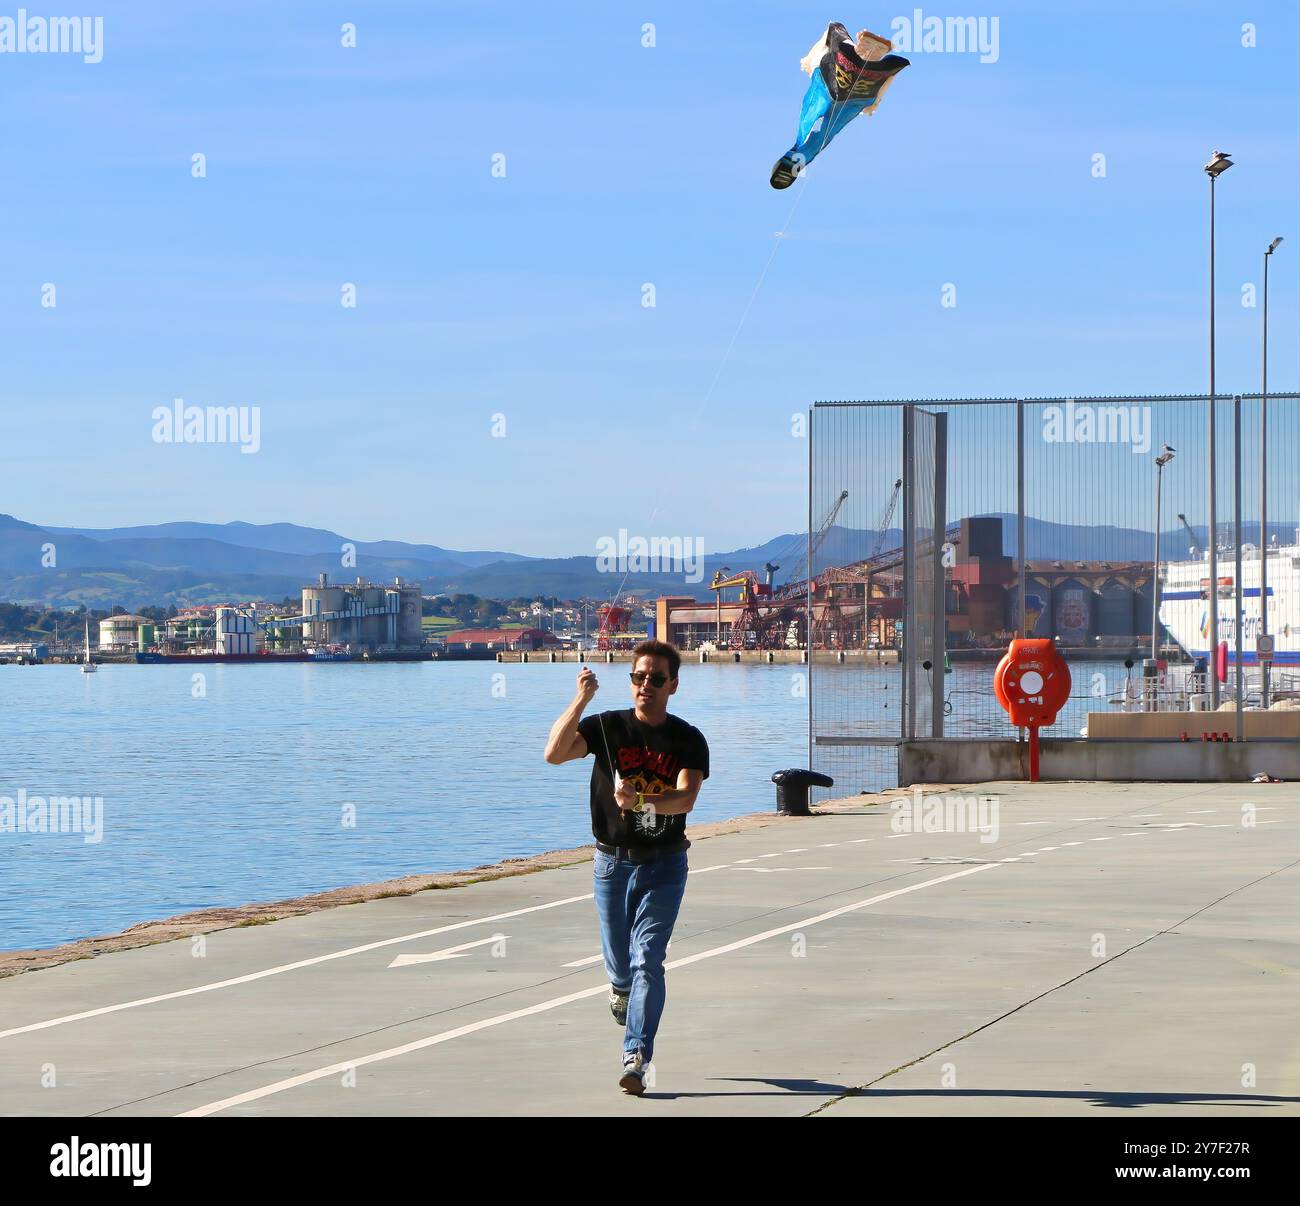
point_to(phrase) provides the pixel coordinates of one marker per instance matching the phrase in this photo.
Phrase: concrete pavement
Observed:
(1119, 947)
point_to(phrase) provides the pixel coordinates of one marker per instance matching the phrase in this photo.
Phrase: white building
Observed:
(118, 634)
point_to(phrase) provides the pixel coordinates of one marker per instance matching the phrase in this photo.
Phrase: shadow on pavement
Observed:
(1120, 1101)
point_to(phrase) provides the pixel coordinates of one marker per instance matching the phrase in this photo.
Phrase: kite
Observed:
(849, 76)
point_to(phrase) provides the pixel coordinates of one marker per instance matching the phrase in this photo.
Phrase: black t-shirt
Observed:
(649, 759)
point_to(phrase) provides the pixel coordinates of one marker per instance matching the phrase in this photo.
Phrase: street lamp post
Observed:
(1238, 591)
(1161, 461)
(1219, 163)
(1265, 667)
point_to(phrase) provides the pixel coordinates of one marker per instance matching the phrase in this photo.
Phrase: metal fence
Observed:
(1038, 517)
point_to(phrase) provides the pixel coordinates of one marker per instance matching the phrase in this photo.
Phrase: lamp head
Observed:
(1273, 245)
(1219, 163)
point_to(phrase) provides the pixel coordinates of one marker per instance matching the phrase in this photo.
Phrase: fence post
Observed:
(940, 639)
(909, 601)
(1020, 513)
(808, 596)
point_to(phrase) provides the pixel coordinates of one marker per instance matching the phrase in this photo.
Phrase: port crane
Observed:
(795, 552)
(752, 629)
(883, 526)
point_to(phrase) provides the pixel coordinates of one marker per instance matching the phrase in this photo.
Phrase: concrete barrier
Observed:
(1169, 726)
(976, 761)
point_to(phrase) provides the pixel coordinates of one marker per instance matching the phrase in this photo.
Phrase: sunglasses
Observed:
(638, 677)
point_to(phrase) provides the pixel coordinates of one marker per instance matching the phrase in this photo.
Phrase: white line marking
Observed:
(798, 850)
(859, 841)
(745, 860)
(1199, 812)
(555, 1002)
(451, 952)
(288, 967)
(587, 962)
(1112, 837)
(774, 854)
(827, 845)
(1033, 822)
(773, 870)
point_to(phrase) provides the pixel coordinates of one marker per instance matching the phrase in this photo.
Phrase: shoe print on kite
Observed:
(849, 76)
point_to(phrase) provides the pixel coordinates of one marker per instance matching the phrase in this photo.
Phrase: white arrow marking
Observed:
(452, 952)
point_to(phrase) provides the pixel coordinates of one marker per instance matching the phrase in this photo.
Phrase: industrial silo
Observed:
(1115, 610)
(410, 623)
(319, 600)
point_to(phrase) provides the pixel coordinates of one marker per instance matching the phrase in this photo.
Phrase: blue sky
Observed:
(482, 295)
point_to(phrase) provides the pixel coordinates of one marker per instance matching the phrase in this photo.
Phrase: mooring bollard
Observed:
(792, 787)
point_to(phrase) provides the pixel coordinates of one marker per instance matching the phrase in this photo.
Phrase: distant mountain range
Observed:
(187, 563)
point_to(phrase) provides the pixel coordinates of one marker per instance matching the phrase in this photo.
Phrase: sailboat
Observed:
(88, 667)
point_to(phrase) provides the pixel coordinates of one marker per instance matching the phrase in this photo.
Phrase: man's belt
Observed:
(642, 854)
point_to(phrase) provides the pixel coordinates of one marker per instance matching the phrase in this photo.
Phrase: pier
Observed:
(1096, 956)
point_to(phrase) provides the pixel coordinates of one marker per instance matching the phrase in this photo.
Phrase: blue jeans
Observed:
(637, 904)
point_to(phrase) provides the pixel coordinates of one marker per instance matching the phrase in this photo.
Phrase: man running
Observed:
(649, 769)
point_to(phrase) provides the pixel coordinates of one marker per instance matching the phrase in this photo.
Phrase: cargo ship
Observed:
(152, 657)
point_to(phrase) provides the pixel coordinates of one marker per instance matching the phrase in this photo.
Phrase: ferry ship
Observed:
(1185, 603)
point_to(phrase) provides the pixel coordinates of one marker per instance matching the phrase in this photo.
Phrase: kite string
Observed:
(829, 119)
(726, 356)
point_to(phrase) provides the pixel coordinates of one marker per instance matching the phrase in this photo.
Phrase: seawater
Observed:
(258, 783)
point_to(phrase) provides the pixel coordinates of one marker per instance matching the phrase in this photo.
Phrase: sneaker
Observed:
(633, 1079)
(618, 1006)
